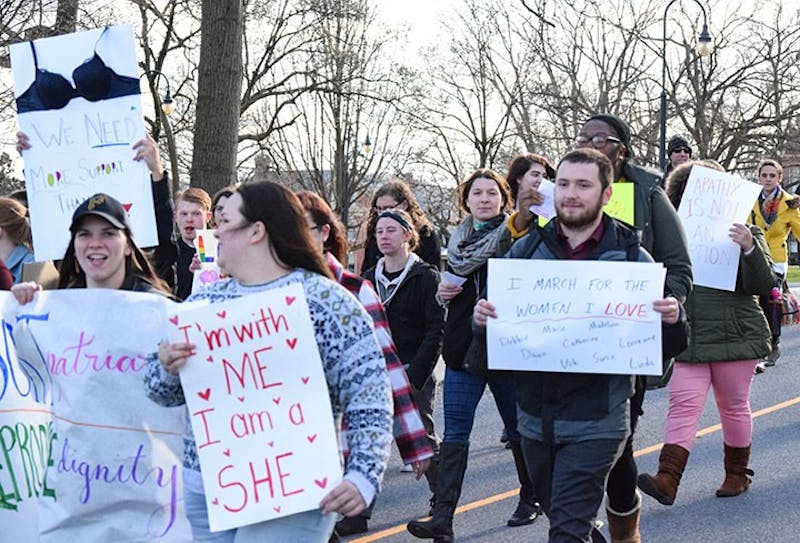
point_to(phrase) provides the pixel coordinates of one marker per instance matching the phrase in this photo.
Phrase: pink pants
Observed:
(688, 389)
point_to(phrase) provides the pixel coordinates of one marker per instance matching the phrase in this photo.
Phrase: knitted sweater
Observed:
(352, 361)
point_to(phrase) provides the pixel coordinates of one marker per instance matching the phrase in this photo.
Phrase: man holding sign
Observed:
(574, 426)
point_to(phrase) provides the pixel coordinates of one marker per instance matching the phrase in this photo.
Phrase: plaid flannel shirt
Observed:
(409, 433)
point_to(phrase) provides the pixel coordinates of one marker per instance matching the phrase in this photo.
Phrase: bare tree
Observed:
(219, 85)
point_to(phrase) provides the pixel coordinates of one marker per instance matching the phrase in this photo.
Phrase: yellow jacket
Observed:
(788, 219)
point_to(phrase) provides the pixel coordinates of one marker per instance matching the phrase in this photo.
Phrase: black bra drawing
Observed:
(93, 81)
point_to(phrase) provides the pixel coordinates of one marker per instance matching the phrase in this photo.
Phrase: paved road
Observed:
(768, 512)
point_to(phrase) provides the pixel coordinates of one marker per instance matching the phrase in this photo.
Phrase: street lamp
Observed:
(167, 108)
(704, 47)
(366, 149)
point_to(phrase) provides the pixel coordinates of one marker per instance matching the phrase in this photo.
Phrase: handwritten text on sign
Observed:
(259, 407)
(575, 316)
(711, 203)
(84, 147)
(82, 449)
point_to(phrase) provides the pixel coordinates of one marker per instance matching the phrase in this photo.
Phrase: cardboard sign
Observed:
(712, 201)
(259, 407)
(83, 451)
(620, 205)
(82, 147)
(574, 316)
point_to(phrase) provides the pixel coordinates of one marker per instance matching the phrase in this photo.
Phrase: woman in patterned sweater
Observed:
(264, 244)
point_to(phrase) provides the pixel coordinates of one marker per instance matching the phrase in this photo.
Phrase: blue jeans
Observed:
(569, 479)
(309, 526)
(463, 391)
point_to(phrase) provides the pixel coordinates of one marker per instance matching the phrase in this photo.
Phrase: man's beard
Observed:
(583, 219)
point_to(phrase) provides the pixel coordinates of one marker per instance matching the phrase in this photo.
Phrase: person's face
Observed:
(190, 218)
(599, 135)
(679, 156)
(769, 178)
(392, 238)
(218, 207)
(233, 234)
(579, 194)
(100, 249)
(386, 202)
(484, 200)
(533, 177)
(319, 232)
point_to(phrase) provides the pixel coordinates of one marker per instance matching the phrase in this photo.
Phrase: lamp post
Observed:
(366, 149)
(704, 48)
(167, 107)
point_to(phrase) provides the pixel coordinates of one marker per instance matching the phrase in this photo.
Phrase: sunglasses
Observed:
(683, 150)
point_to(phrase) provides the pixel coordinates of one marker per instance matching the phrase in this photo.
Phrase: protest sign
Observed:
(86, 456)
(547, 208)
(620, 205)
(82, 117)
(712, 201)
(259, 407)
(575, 316)
(205, 245)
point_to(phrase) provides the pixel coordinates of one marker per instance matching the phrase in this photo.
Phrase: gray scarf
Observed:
(469, 249)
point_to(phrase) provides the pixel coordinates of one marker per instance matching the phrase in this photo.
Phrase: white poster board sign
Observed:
(575, 316)
(712, 201)
(259, 407)
(83, 146)
(92, 458)
(547, 208)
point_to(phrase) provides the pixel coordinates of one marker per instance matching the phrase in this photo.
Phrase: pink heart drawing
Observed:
(305, 380)
(311, 438)
(290, 300)
(215, 501)
(240, 398)
(277, 509)
(276, 401)
(174, 320)
(210, 359)
(222, 314)
(205, 394)
(226, 452)
(209, 276)
(321, 483)
(291, 342)
(270, 443)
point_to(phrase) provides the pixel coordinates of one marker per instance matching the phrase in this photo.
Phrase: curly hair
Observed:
(400, 192)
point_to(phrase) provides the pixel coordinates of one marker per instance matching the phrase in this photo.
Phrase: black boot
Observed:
(432, 475)
(528, 510)
(452, 466)
(775, 354)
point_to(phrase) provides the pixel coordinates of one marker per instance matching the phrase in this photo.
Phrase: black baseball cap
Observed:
(105, 206)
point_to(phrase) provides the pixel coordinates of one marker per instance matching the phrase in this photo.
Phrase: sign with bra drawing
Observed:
(79, 103)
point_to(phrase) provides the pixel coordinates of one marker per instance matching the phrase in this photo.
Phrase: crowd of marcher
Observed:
(381, 333)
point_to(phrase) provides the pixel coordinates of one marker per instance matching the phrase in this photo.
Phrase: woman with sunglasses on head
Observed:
(396, 194)
(481, 235)
(264, 244)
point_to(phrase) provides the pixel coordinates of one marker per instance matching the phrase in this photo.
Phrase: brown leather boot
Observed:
(664, 486)
(624, 527)
(736, 472)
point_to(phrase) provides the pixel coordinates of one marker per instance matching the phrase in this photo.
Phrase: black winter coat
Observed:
(416, 320)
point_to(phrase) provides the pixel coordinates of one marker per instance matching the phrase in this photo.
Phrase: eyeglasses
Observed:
(381, 209)
(683, 150)
(598, 141)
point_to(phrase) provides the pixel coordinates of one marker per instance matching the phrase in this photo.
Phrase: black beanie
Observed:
(677, 142)
(618, 125)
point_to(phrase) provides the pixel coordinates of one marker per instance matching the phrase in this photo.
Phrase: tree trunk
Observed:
(219, 86)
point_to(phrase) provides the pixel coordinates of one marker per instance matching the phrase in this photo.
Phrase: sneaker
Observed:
(407, 468)
(761, 367)
(351, 526)
(774, 355)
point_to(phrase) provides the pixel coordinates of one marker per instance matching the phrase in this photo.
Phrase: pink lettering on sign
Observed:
(79, 359)
(250, 371)
(626, 310)
(265, 482)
